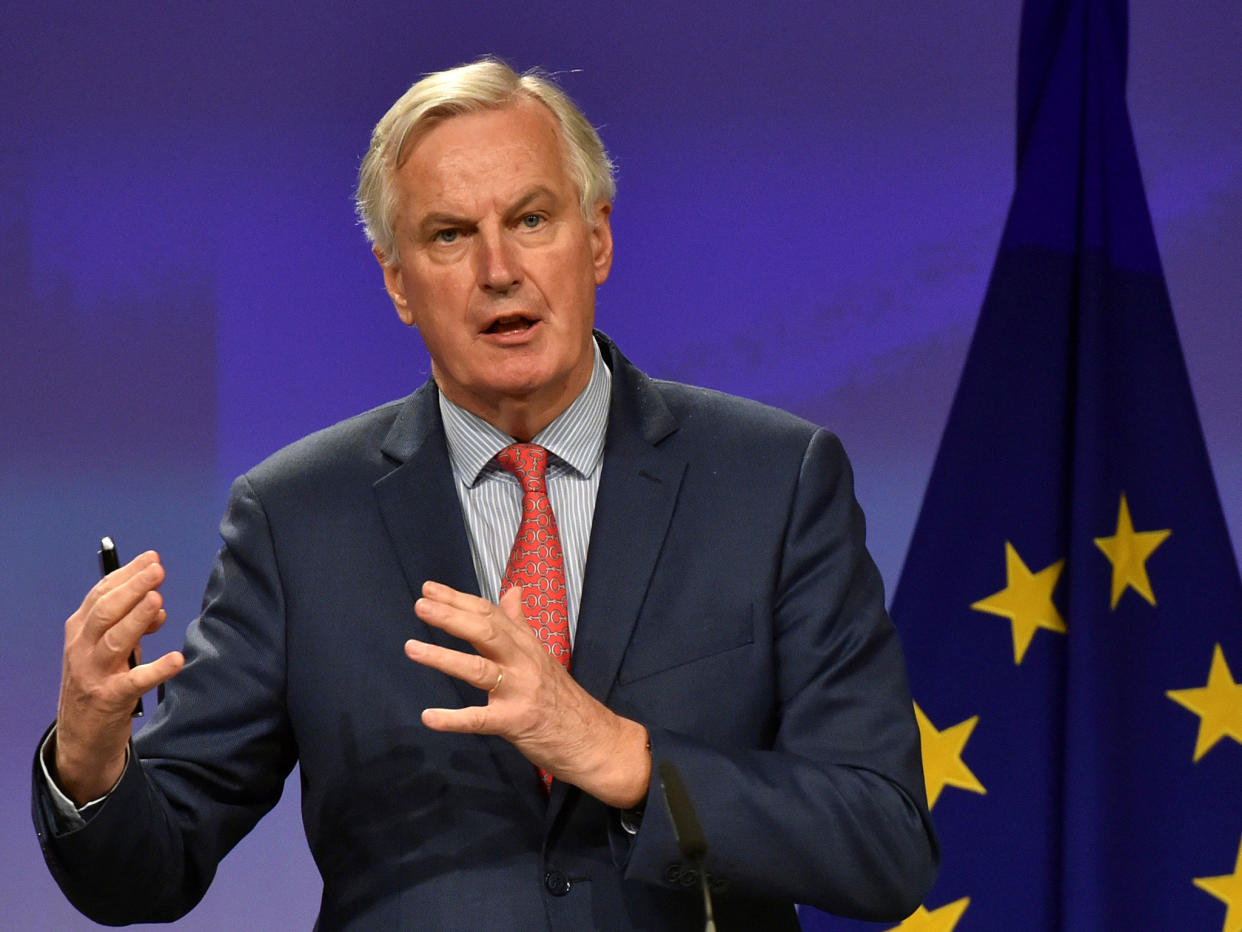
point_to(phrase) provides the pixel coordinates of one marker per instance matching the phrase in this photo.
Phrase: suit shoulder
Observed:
(353, 443)
(705, 414)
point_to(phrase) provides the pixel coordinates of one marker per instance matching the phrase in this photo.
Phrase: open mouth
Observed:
(512, 324)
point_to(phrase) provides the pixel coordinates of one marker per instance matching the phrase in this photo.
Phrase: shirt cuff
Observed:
(70, 816)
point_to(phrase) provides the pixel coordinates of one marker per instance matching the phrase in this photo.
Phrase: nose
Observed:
(499, 266)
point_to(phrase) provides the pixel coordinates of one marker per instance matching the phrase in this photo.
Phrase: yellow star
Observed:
(943, 919)
(1228, 889)
(1026, 601)
(1128, 550)
(942, 756)
(1218, 705)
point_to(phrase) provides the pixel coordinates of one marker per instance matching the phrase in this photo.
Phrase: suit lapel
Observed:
(423, 516)
(635, 503)
(418, 502)
(637, 495)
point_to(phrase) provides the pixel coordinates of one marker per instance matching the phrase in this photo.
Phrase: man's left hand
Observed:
(532, 701)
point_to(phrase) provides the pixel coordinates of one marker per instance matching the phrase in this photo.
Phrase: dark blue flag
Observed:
(1070, 605)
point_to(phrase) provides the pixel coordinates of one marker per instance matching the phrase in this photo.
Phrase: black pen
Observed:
(108, 562)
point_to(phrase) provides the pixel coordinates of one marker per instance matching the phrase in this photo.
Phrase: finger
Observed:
(473, 719)
(121, 638)
(477, 621)
(511, 605)
(146, 676)
(454, 598)
(469, 668)
(113, 605)
(158, 622)
(120, 577)
(126, 688)
(160, 617)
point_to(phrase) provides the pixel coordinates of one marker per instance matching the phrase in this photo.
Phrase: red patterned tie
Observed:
(536, 563)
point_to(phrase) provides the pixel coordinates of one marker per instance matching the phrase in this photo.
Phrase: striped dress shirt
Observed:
(491, 497)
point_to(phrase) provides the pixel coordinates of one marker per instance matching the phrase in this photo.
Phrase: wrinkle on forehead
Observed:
(450, 167)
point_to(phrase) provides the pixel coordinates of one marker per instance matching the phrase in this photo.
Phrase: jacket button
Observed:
(556, 883)
(673, 872)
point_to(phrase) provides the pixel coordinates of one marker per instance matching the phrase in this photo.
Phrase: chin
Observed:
(524, 373)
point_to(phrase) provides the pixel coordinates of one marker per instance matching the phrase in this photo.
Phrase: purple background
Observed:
(810, 200)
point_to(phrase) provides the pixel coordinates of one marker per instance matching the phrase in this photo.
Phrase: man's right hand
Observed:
(98, 690)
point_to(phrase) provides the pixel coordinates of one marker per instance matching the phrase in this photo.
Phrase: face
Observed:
(497, 267)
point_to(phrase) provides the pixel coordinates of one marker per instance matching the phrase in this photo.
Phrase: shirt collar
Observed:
(575, 436)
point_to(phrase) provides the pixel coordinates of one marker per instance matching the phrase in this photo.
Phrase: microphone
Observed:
(687, 830)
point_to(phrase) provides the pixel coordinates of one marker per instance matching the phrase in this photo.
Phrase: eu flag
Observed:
(1070, 604)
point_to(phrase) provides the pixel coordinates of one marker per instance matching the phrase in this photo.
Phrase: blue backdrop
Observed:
(811, 198)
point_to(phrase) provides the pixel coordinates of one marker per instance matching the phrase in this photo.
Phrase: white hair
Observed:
(487, 84)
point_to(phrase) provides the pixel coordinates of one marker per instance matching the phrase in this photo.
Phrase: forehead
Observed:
(485, 155)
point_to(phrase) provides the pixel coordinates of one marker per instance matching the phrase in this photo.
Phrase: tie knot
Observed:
(527, 461)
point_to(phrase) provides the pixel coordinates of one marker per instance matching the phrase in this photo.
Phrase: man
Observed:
(691, 566)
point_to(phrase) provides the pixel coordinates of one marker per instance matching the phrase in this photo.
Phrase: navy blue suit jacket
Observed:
(729, 605)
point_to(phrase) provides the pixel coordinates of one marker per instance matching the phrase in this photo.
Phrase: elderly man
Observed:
(485, 618)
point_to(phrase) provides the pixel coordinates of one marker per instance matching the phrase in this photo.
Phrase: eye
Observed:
(532, 221)
(447, 236)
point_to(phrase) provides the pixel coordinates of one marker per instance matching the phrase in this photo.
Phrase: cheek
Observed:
(439, 294)
(567, 283)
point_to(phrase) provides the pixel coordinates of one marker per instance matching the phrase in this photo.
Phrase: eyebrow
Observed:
(533, 195)
(436, 220)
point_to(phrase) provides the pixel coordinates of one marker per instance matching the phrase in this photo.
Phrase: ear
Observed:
(394, 284)
(601, 241)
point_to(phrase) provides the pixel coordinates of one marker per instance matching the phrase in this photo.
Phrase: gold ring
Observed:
(500, 675)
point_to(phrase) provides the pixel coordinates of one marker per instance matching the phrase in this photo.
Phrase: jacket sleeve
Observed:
(831, 810)
(208, 765)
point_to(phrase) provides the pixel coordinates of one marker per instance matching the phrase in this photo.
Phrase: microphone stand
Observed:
(688, 831)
